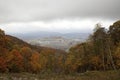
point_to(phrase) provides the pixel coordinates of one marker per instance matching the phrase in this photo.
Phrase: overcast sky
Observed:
(18, 16)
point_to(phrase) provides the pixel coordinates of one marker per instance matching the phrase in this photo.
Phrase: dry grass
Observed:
(91, 75)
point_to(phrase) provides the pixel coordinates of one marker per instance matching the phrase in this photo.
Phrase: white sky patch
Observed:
(60, 25)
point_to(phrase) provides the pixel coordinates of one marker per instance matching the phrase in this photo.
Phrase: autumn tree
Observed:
(35, 62)
(3, 65)
(60, 62)
(2, 38)
(26, 52)
(116, 56)
(15, 61)
(99, 40)
(49, 54)
(114, 32)
(77, 58)
(3, 49)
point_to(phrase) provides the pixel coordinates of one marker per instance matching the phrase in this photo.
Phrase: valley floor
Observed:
(90, 75)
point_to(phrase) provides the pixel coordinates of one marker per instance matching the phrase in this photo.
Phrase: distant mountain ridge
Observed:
(55, 40)
(10, 41)
(43, 34)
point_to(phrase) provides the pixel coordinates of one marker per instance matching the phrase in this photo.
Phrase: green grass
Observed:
(90, 75)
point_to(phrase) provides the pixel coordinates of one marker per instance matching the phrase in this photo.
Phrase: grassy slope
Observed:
(92, 75)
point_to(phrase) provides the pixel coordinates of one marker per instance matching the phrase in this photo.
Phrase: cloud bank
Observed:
(61, 26)
(56, 15)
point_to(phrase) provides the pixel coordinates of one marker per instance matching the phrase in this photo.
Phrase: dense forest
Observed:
(100, 52)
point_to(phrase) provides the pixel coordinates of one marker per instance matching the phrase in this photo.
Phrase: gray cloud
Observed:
(36, 10)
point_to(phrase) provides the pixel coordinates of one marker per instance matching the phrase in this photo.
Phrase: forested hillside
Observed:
(100, 52)
(19, 56)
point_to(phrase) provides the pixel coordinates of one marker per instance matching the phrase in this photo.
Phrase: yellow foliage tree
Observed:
(35, 62)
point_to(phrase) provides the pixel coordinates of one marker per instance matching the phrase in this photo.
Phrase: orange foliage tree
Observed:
(15, 61)
(3, 65)
(35, 62)
(26, 52)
